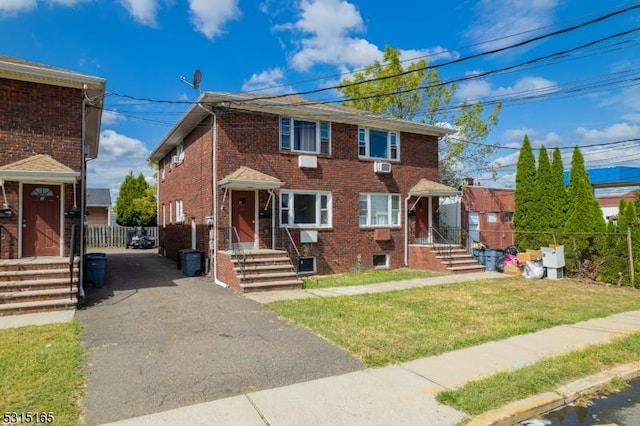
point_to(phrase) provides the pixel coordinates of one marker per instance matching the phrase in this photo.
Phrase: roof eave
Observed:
(39, 176)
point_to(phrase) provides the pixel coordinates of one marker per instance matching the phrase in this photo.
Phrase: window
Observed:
(375, 143)
(180, 151)
(305, 209)
(379, 210)
(508, 217)
(381, 261)
(170, 212)
(492, 217)
(162, 166)
(179, 211)
(305, 136)
(164, 217)
(307, 265)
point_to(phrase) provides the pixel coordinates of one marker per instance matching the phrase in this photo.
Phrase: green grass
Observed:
(365, 277)
(544, 376)
(387, 328)
(41, 370)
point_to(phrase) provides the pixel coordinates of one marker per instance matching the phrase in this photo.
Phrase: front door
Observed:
(422, 221)
(41, 220)
(243, 216)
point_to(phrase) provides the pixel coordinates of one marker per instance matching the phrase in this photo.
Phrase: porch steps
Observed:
(457, 260)
(37, 285)
(266, 270)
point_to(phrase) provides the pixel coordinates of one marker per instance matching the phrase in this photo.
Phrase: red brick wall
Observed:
(498, 234)
(252, 140)
(38, 119)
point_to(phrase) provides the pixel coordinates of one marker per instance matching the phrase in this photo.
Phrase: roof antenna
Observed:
(195, 81)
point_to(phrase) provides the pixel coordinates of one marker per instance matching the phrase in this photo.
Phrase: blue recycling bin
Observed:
(191, 262)
(95, 267)
(492, 258)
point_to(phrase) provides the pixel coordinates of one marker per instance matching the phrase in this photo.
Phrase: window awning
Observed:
(248, 178)
(429, 188)
(38, 168)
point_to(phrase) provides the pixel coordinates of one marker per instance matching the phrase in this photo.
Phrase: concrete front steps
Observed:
(37, 284)
(266, 270)
(452, 259)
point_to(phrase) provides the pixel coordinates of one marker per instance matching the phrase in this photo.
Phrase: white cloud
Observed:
(209, 17)
(118, 156)
(327, 25)
(517, 134)
(11, 7)
(110, 116)
(507, 21)
(431, 54)
(268, 81)
(474, 89)
(615, 132)
(113, 144)
(143, 11)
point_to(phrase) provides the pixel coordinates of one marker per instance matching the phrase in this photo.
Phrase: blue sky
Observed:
(589, 97)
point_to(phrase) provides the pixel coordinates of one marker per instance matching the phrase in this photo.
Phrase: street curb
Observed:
(530, 407)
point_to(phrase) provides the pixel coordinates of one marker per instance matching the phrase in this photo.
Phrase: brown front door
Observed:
(243, 214)
(41, 220)
(422, 221)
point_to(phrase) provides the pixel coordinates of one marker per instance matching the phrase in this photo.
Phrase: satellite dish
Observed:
(197, 78)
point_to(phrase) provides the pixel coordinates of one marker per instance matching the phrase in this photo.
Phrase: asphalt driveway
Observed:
(158, 340)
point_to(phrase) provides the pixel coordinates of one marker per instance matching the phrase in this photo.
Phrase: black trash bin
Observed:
(95, 267)
(191, 262)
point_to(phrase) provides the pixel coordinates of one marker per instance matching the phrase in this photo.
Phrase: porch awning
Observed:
(38, 168)
(248, 178)
(429, 188)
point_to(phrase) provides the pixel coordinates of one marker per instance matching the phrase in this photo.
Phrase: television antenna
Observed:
(195, 80)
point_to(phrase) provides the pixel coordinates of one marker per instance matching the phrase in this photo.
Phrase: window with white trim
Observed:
(508, 217)
(307, 265)
(381, 260)
(164, 216)
(305, 136)
(379, 210)
(311, 209)
(170, 212)
(179, 211)
(180, 151)
(492, 217)
(377, 143)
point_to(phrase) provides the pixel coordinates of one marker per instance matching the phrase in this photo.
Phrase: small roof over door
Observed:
(429, 188)
(248, 178)
(38, 168)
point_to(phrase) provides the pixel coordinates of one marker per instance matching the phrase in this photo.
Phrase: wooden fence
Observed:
(112, 236)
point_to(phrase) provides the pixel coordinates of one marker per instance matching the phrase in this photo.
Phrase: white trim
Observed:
(193, 233)
(50, 177)
(389, 211)
(291, 212)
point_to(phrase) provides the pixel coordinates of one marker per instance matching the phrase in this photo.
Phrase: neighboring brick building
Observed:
(487, 215)
(240, 171)
(49, 126)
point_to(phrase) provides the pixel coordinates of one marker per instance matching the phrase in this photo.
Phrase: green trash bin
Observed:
(95, 267)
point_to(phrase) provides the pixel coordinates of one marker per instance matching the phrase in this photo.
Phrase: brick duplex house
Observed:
(49, 125)
(241, 177)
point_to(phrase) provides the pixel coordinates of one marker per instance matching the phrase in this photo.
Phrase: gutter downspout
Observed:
(406, 231)
(214, 191)
(83, 183)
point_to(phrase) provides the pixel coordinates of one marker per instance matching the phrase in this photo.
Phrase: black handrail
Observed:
(232, 239)
(287, 244)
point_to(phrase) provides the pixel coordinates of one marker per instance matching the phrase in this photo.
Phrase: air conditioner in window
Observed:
(382, 167)
(175, 159)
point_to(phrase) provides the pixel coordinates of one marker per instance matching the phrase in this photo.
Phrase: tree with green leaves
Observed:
(525, 197)
(416, 92)
(615, 268)
(541, 210)
(585, 226)
(557, 192)
(136, 204)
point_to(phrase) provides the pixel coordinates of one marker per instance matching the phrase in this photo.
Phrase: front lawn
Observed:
(365, 277)
(387, 328)
(41, 371)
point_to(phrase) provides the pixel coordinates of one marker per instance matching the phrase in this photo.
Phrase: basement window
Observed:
(381, 261)
(307, 265)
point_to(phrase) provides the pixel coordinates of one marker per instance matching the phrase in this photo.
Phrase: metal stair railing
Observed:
(232, 240)
(286, 243)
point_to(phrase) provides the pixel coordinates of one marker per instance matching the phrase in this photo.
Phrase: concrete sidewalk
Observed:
(398, 394)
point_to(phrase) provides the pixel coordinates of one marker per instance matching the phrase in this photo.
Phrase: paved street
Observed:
(158, 341)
